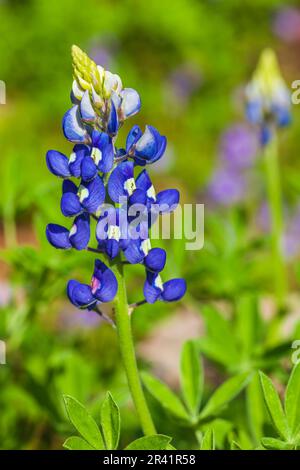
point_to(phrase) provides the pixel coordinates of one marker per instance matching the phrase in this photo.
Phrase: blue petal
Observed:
(80, 295)
(58, 236)
(265, 134)
(134, 134)
(58, 163)
(86, 109)
(155, 260)
(80, 232)
(151, 292)
(88, 169)
(79, 152)
(95, 195)
(133, 252)
(143, 181)
(103, 142)
(167, 200)
(112, 248)
(283, 115)
(72, 126)
(70, 205)
(173, 290)
(146, 147)
(107, 285)
(254, 112)
(131, 102)
(117, 180)
(113, 121)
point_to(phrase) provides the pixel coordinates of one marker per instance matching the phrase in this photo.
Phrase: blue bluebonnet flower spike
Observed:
(100, 182)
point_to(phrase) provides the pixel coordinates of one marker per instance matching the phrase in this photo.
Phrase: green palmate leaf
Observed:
(220, 332)
(255, 408)
(224, 394)
(276, 444)
(155, 442)
(83, 422)
(247, 321)
(164, 395)
(77, 443)
(292, 400)
(110, 422)
(274, 406)
(191, 376)
(208, 441)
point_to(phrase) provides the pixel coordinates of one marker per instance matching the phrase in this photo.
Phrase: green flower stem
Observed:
(275, 205)
(123, 323)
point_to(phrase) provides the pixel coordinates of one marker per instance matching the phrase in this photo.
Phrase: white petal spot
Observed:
(73, 230)
(129, 186)
(158, 283)
(96, 155)
(151, 193)
(72, 157)
(114, 232)
(146, 246)
(83, 193)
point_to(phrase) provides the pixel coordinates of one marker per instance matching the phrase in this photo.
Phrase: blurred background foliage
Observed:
(189, 60)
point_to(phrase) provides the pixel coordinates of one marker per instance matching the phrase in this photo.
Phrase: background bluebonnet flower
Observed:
(106, 174)
(227, 187)
(239, 146)
(267, 97)
(286, 24)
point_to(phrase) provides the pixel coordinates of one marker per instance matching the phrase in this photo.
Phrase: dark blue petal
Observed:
(69, 187)
(113, 121)
(265, 134)
(138, 197)
(155, 260)
(104, 282)
(134, 134)
(121, 181)
(86, 109)
(161, 149)
(72, 126)
(80, 295)
(79, 152)
(80, 232)
(58, 236)
(70, 205)
(283, 115)
(58, 163)
(131, 102)
(103, 142)
(92, 194)
(167, 200)
(88, 169)
(173, 290)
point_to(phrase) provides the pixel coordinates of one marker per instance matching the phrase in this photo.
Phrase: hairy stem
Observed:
(123, 323)
(275, 205)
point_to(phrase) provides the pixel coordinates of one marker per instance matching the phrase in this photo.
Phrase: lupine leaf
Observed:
(224, 394)
(83, 422)
(276, 444)
(164, 395)
(221, 335)
(155, 442)
(77, 443)
(255, 408)
(191, 376)
(274, 406)
(208, 441)
(247, 320)
(110, 422)
(292, 400)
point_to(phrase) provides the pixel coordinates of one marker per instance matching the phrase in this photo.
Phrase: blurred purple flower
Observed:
(286, 24)
(181, 84)
(5, 293)
(72, 318)
(227, 187)
(239, 146)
